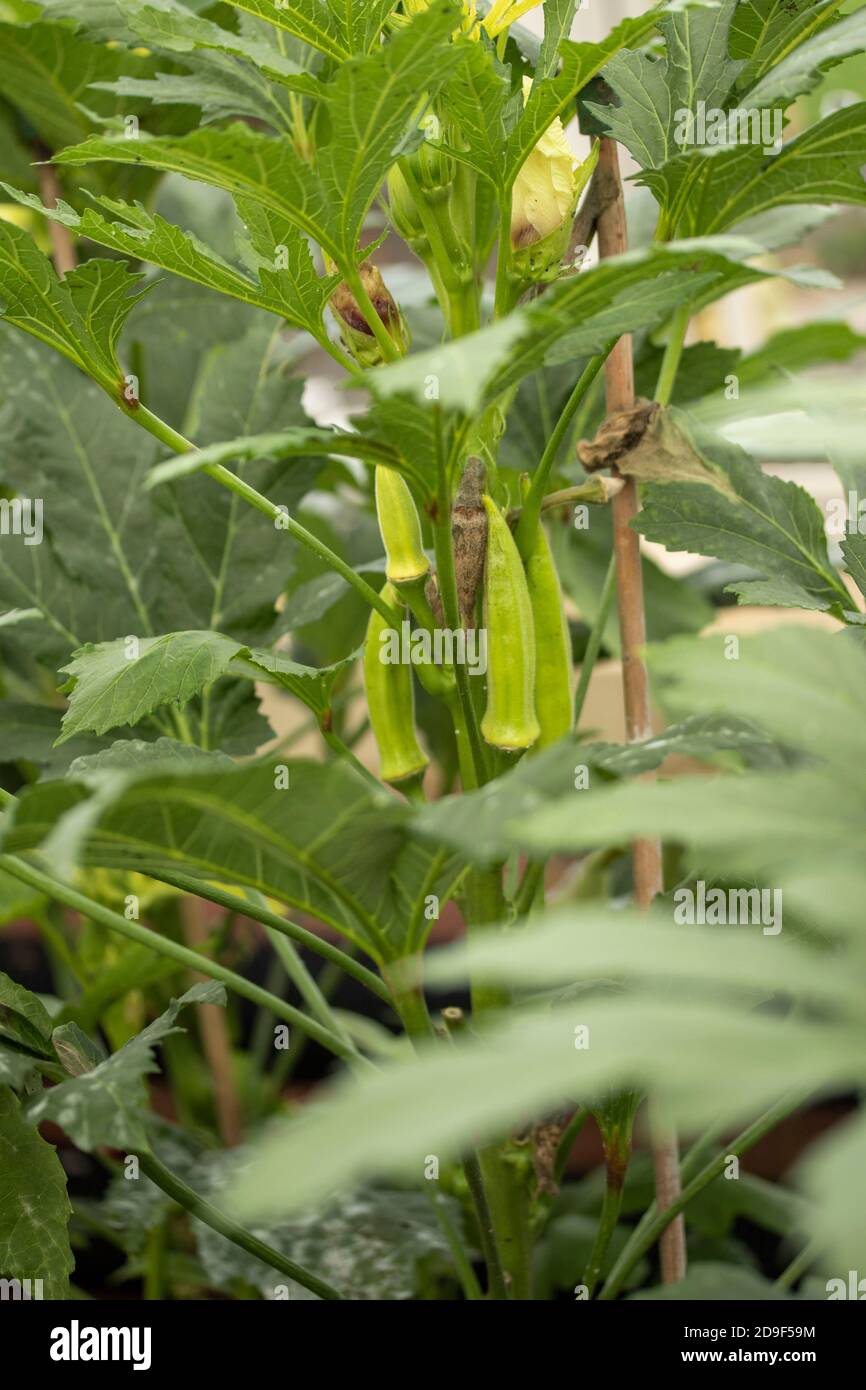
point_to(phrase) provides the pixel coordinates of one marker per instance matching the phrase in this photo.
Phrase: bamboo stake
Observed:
(62, 246)
(619, 389)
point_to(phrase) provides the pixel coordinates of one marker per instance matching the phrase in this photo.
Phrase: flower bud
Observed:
(357, 336)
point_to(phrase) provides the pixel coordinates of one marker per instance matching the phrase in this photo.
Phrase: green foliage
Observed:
(208, 536)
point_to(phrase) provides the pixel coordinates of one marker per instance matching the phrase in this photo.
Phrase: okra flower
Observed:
(501, 15)
(544, 198)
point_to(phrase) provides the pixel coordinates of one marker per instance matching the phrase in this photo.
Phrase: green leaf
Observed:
(445, 1100)
(80, 316)
(24, 1019)
(764, 32)
(802, 69)
(370, 1242)
(114, 560)
(296, 293)
(337, 28)
(107, 687)
(558, 18)
(710, 1282)
(287, 444)
(821, 165)
(653, 91)
(792, 349)
(313, 685)
(832, 1175)
(46, 72)
(749, 518)
(34, 1207)
(107, 1104)
(327, 843)
(377, 97)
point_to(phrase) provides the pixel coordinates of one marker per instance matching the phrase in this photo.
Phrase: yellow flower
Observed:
(501, 15)
(546, 189)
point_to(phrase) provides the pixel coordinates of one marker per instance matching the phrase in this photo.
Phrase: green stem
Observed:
(673, 354)
(497, 1287)
(204, 1211)
(533, 879)
(465, 1273)
(610, 1209)
(189, 959)
(222, 475)
(593, 646)
(654, 1221)
(154, 1253)
(531, 510)
(301, 935)
(504, 286)
(798, 1266)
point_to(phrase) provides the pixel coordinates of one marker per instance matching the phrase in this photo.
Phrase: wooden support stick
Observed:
(619, 388)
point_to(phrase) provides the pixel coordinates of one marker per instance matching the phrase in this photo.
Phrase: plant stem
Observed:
(222, 475)
(798, 1266)
(244, 907)
(673, 354)
(465, 1272)
(647, 859)
(531, 510)
(596, 636)
(504, 289)
(610, 1209)
(486, 1233)
(655, 1220)
(214, 1034)
(189, 959)
(204, 1211)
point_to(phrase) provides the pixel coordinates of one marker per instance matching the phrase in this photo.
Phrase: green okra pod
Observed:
(509, 720)
(391, 703)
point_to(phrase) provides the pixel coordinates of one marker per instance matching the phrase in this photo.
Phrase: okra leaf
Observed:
(114, 561)
(301, 442)
(369, 1241)
(549, 956)
(764, 32)
(711, 1281)
(326, 843)
(107, 1104)
(79, 316)
(116, 683)
(34, 1207)
(378, 98)
(751, 518)
(832, 1176)
(172, 27)
(46, 72)
(337, 28)
(653, 92)
(480, 824)
(309, 684)
(802, 69)
(446, 1100)
(821, 165)
(24, 1020)
(854, 551)
(558, 19)
(294, 291)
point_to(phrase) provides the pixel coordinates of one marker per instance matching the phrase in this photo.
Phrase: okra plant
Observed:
(210, 207)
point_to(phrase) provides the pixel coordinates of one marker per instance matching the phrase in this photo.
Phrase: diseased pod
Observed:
(391, 703)
(510, 720)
